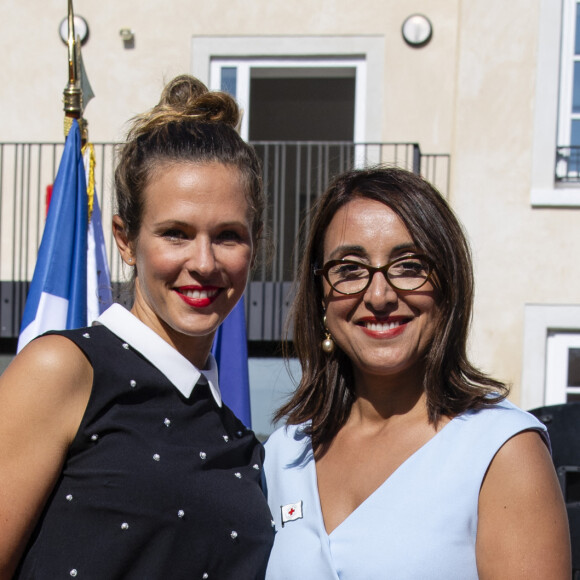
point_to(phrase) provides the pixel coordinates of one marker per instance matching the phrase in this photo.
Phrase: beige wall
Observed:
(127, 81)
(470, 92)
(522, 254)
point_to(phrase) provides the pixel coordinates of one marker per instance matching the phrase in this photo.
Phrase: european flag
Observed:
(230, 349)
(57, 298)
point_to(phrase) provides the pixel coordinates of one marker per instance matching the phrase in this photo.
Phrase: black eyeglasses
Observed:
(351, 277)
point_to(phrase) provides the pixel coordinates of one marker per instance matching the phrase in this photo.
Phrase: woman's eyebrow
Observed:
(354, 249)
(347, 249)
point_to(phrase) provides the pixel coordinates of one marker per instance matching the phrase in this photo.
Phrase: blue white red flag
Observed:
(99, 290)
(230, 349)
(57, 297)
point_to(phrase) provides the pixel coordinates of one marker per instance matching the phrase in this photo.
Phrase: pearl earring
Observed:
(327, 343)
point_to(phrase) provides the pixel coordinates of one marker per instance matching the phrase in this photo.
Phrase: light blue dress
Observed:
(421, 523)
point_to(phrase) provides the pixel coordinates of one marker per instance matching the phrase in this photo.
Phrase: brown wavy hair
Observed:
(189, 124)
(325, 394)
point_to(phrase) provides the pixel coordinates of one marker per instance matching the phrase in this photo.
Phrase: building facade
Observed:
(489, 98)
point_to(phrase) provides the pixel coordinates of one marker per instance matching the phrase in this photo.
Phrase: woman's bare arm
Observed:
(523, 528)
(43, 396)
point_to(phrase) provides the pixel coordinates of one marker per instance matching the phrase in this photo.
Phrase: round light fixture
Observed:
(81, 29)
(417, 30)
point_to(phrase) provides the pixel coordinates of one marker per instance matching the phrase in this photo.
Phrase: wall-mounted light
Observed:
(128, 37)
(417, 30)
(126, 34)
(81, 29)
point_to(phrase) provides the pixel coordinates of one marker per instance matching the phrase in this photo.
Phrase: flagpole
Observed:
(71, 277)
(73, 94)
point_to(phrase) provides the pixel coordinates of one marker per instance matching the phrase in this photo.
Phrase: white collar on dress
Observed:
(171, 363)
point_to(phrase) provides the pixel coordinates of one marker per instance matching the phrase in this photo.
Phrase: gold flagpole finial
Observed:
(72, 94)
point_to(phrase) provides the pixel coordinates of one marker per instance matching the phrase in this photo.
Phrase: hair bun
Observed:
(188, 97)
(181, 91)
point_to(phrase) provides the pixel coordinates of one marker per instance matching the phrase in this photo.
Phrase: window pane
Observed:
(229, 79)
(577, 43)
(575, 138)
(574, 367)
(576, 93)
(574, 155)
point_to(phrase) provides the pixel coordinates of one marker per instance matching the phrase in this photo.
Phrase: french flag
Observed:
(230, 349)
(57, 297)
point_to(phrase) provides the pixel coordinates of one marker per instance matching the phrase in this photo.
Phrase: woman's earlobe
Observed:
(122, 240)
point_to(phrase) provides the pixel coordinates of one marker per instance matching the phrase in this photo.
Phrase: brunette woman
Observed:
(400, 459)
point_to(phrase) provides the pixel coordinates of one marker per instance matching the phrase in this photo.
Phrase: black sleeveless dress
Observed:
(155, 485)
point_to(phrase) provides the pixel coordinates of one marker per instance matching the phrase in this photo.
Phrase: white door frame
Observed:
(245, 66)
(370, 49)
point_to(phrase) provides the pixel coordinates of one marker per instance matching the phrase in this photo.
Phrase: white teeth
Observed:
(197, 294)
(382, 326)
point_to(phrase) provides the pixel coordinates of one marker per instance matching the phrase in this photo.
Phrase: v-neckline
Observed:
(378, 489)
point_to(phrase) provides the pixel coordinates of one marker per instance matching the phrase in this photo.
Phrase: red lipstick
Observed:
(198, 296)
(387, 328)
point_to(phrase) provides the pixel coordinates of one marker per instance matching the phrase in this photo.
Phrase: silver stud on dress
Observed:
(124, 526)
(233, 535)
(94, 437)
(69, 497)
(180, 513)
(125, 346)
(167, 422)
(238, 475)
(86, 335)
(239, 433)
(133, 383)
(203, 454)
(156, 456)
(256, 467)
(226, 438)
(73, 572)
(205, 576)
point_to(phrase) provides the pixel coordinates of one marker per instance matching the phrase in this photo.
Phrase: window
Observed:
(562, 368)
(307, 99)
(237, 61)
(555, 161)
(551, 362)
(568, 154)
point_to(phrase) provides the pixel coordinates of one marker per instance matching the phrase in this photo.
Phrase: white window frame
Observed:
(567, 59)
(245, 66)
(557, 362)
(551, 85)
(369, 49)
(540, 320)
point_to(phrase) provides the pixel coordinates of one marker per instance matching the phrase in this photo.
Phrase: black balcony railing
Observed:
(295, 173)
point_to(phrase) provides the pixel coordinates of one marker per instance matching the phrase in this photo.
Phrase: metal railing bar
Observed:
(295, 174)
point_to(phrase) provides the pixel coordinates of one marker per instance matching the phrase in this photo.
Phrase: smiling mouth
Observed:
(199, 294)
(376, 326)
(198, 297)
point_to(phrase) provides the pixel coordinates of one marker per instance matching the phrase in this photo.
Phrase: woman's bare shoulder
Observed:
(50, 373)
(522, 527)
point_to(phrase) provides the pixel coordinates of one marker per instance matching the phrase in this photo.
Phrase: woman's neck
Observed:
(379, 398)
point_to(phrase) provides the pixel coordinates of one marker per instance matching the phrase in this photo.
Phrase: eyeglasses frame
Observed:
(373, 270)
